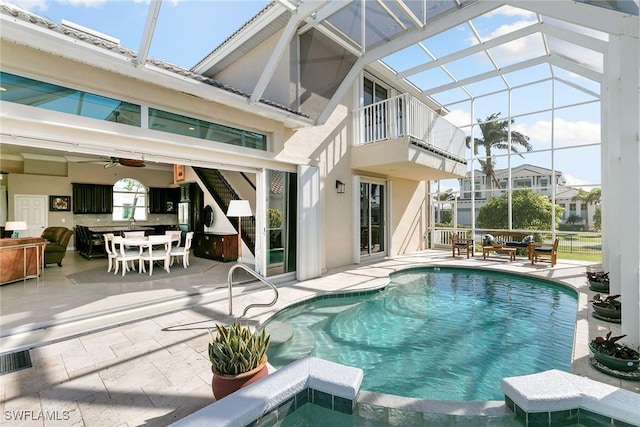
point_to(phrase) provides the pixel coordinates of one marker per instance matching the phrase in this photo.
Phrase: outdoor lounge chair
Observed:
(545, 253)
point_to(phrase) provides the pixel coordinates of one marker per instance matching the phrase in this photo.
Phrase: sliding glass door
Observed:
(372, 219)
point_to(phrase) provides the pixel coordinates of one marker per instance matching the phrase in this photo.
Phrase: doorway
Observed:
(33, 210)
(373, 228)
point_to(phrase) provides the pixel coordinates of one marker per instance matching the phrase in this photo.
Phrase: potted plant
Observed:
(238, 358)
(598, 281)
(617, 357)
(608, 309)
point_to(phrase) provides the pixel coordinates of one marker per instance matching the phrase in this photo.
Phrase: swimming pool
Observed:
(435, 333)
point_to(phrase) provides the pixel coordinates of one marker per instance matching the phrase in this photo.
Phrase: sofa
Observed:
(57, 241)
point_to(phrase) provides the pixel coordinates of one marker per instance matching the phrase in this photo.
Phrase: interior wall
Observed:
(30, 184)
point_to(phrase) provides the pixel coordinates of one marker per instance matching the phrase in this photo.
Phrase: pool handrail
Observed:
(257, 276)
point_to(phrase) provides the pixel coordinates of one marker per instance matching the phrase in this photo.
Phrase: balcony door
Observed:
(373, 229)
(375, 118)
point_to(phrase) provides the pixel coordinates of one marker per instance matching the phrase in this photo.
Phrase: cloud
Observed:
(511, 11)
(459, 118)
(565, 133)
(31, 5)
(574, 181)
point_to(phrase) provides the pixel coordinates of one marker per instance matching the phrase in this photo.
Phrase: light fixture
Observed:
(16, 227)
(340, 186)
(239, 209)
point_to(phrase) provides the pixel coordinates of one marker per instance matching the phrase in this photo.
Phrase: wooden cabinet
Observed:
(20, 258)
(92, 199)
(164, 200)
(220, 247)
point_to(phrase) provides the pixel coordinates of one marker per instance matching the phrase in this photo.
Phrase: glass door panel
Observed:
(372, 219)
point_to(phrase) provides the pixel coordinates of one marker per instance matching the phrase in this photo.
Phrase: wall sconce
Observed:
(340, 187)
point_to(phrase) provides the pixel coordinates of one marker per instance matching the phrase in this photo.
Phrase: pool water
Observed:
(436, 333)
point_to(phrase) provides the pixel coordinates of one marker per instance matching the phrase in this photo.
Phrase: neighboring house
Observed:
(539, 179)
(346, 167)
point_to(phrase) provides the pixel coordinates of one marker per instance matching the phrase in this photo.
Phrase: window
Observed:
(188, 126)
(572, 209)
(22, 90)
(583, 210)
(129, 200)
(522, 183)
(544, 183)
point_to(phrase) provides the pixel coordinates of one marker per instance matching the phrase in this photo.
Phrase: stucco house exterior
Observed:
(299, 136)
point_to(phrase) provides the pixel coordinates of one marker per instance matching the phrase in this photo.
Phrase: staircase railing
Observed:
(257, 276)
(223, 193)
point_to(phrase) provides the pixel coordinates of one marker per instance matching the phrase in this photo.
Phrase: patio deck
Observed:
(136, 353)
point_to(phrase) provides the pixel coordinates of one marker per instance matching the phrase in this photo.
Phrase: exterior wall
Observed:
(24, 61)
(244, 73)
(409, 215)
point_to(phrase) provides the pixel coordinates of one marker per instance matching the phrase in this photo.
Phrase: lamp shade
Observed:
(239, 208)
(15, 225)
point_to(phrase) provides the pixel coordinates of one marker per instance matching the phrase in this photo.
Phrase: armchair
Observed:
(56, 248)
(461, 245)
(545, 253)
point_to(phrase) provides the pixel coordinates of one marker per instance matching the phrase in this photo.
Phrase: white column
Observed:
(260, 252)
(310, 242)
(621, 132)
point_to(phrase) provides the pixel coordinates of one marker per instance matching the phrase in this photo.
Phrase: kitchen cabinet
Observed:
(163, 200)
(218, 246)
(92, 199)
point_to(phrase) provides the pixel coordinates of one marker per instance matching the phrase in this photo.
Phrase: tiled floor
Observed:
(146, 361)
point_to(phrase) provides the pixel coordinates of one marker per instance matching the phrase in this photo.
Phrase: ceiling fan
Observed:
(115, 161)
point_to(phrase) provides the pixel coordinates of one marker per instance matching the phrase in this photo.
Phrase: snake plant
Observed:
(235, 349)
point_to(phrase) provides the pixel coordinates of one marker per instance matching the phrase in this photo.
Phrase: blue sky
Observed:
(187, 30)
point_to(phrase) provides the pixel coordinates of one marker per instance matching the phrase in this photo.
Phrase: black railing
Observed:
(223, 193)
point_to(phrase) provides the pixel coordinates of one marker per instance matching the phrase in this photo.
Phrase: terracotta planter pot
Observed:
(615, 363)
(223, 385)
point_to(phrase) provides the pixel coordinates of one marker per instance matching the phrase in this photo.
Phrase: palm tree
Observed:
(588, 197)
(495, 135)
(443, 197)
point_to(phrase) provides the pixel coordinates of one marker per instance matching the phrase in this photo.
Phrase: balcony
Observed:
(402, 137)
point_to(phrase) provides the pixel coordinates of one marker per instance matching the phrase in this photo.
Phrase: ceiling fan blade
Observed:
(132, 163)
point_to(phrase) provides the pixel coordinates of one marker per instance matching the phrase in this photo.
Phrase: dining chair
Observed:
(124, 255)
(176, 236)
(108, 247)
(161, 252)
(128, 234)
(183, 251)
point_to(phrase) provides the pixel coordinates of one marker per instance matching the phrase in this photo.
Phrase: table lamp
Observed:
(16, 227)
(239, 208)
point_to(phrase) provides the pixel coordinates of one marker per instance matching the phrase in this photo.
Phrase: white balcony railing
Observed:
(405, 115)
